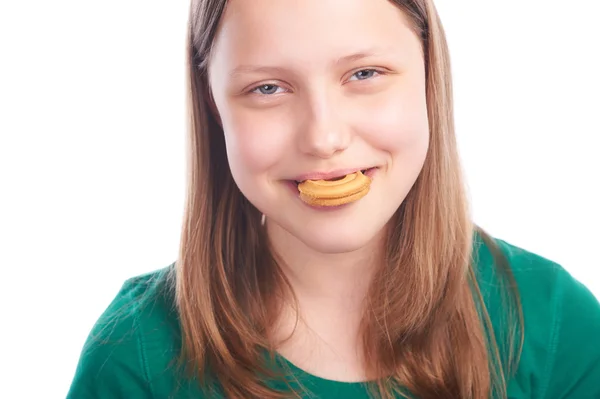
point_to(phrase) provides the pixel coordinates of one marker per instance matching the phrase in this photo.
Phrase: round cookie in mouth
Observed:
(334, 192)
(334, 201)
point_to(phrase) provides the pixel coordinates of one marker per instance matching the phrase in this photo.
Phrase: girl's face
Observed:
(312, 86)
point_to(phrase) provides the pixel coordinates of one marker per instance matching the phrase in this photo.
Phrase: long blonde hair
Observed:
(426, 326)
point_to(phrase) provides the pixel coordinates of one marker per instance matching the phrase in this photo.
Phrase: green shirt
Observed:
(131, 350)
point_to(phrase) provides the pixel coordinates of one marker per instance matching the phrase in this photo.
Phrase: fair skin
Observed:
(320, 86)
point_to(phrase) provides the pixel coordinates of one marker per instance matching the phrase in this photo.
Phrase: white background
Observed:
(92, 153)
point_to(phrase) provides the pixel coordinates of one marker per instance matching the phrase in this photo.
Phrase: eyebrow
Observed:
(360, 55)
(276, 70)
(256, 69)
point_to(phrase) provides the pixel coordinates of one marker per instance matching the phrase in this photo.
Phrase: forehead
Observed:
(309, 31)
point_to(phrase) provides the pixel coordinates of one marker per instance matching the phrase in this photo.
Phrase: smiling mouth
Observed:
(335, 191)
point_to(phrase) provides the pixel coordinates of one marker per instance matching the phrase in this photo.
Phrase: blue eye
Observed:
(266, 89)
(364, 74)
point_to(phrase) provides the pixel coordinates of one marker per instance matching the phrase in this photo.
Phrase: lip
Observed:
(331, 174)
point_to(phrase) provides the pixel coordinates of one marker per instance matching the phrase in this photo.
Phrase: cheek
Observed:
(255, 143)
(398, 123)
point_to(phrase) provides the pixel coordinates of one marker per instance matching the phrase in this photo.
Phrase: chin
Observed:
(329, 238)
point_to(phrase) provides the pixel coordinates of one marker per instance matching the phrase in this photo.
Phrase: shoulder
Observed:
(537, 278)
(119, 358)
(544, 284)
(561, 354)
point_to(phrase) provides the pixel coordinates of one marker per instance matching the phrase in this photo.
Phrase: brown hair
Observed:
(426, 325)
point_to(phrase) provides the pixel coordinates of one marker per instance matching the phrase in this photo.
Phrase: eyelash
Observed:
(256, 88)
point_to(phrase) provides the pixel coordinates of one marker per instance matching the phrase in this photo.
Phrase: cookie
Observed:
(350, 188)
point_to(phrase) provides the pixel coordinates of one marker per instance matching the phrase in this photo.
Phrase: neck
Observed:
(330, 290)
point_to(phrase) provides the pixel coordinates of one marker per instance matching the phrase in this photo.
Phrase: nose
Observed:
(323, 131)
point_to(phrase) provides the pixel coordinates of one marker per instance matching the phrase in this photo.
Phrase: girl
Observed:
(327, 249)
